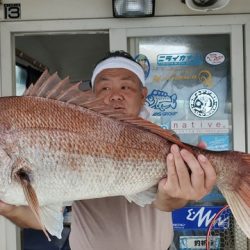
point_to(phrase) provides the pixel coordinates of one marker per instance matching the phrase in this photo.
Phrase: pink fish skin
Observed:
(55, 148)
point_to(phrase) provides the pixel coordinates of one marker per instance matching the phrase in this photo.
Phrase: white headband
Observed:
(119, 62)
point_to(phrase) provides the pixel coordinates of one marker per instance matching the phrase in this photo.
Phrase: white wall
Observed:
(68, 9)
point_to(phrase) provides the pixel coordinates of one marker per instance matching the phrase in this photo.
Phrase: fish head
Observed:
(5, 172)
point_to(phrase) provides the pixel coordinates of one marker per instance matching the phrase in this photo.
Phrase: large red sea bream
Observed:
(58, 145)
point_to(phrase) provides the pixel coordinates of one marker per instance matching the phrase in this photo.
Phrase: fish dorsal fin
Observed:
(52, 87)
(34, 87)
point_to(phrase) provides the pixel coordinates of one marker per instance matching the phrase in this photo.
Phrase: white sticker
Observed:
(198, 242)
(215, 58)
(200, 126)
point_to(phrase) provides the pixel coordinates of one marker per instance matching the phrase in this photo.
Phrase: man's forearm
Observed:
(23, 217)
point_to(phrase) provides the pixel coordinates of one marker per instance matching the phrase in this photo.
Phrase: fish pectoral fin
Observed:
(143, 198)
(22, 174)
(52, 217)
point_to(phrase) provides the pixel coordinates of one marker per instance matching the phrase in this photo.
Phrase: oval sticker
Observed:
(215, 58)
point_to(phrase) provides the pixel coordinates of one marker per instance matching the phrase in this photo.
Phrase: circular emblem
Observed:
(203, 103)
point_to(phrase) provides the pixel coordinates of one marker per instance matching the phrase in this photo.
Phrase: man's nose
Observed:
(116, 96)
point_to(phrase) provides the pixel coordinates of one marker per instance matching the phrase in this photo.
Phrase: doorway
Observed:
(68, 54)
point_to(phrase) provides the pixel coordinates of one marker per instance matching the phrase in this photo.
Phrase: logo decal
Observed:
(215, 58)
(204, 103)
(200, 218)
(205, 77)
(161, 101)
(185, 59)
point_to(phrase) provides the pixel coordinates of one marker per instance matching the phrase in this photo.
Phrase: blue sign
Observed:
(200, 218)
(216, 142)
(184, 59)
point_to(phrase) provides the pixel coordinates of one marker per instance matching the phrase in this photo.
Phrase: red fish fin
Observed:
(244, 185)
(21, 174)
(240, 210)
(53, 87)
(238, 198)
(52, 217)
(31, 91)
(32, 200)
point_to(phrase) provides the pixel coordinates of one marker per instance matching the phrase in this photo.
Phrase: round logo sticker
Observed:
(215, 58)
(203, 103)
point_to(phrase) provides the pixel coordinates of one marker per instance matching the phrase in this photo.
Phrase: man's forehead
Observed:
(120, 72)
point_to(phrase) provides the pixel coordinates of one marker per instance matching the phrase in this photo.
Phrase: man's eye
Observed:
(125, 87)
(105, 88)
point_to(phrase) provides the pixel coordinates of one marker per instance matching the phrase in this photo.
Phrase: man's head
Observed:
(120, 81)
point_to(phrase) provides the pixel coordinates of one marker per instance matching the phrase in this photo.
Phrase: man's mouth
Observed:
(119, 108)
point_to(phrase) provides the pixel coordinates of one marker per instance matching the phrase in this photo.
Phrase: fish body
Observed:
(55, 148)
(74, 153)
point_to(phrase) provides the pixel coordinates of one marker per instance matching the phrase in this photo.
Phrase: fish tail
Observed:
(244, 189)
(239, 198)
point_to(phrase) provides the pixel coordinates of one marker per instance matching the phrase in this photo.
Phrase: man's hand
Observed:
(22, 216)
(6, 209)
(181, 186)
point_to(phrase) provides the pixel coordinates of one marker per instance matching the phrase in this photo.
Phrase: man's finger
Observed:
(172, 181)
(181, 168)
(197, 172)
(210, 174)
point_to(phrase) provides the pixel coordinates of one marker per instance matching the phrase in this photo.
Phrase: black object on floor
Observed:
(36, 240)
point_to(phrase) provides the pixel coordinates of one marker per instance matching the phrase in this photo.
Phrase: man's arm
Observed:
(180, 186)
(22, 216)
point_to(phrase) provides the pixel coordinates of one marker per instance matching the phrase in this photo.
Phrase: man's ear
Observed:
(144, 93)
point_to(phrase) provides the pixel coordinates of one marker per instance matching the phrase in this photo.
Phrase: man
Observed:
(113, 223)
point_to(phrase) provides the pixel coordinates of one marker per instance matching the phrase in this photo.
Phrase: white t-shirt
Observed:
(115, 224)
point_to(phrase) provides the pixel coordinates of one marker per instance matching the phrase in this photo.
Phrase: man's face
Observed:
(121, 89)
